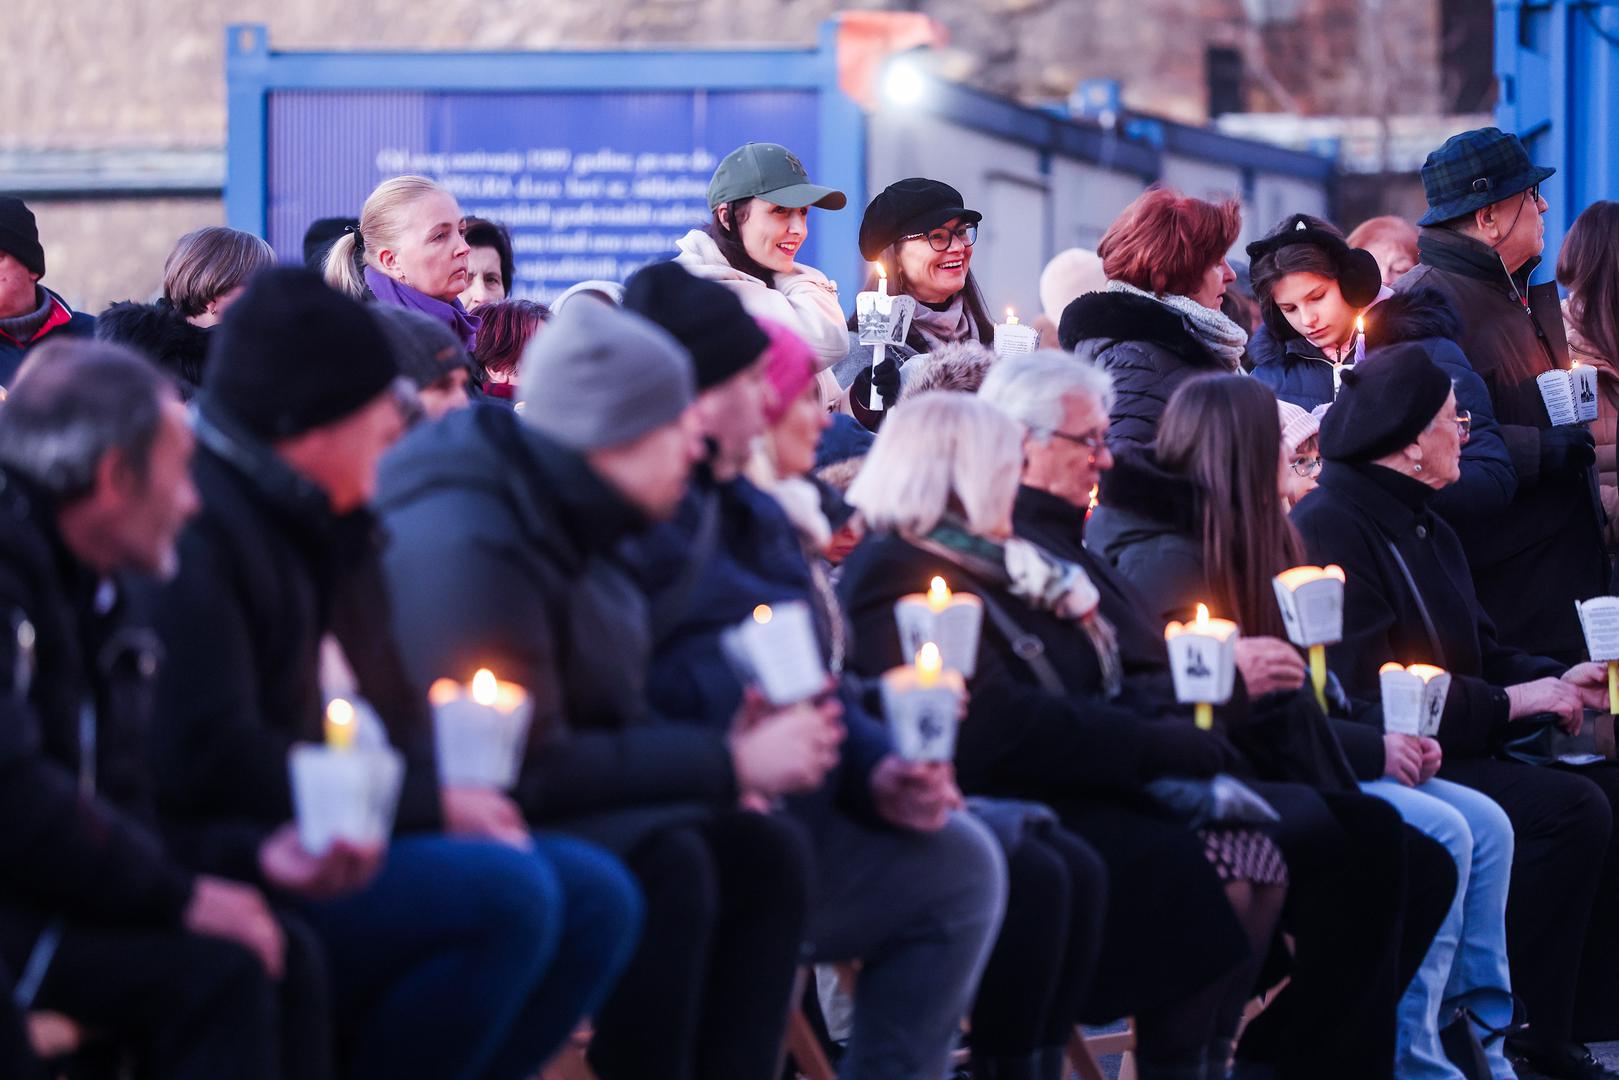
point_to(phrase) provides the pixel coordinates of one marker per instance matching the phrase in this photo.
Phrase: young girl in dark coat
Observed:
(1188, 914)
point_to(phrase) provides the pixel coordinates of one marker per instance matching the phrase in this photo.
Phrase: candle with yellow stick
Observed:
(953, 621)
(1599, 618)
(1312, 603)
(339, 724)
(1203, 662)
(923, 705)
(345, 787)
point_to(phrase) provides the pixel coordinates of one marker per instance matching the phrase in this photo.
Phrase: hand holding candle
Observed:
(1599, 618)
(347, 787)
(1202, 659)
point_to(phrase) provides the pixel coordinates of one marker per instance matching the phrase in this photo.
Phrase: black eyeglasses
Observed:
(1464, 425)
(1534, 193)
(1305, 467)
(941, 239)
(1094, 443)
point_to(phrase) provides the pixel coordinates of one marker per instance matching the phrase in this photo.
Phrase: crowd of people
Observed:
(276, 486)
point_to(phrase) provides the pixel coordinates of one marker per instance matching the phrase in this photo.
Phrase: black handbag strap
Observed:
(1422, 606)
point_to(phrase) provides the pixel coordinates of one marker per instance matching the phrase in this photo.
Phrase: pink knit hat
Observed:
(790, 368)
(1297, 425)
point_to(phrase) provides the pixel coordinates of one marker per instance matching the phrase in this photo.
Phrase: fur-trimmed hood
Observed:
(1412, 316)
(1118, 316)
(162, 335)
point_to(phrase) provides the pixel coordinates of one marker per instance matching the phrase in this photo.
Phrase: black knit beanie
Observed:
(705, 317)
(19, 235)
(293, 354)
(1387, 400)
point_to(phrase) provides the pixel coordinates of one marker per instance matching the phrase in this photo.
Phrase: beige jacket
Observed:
(1606, 424)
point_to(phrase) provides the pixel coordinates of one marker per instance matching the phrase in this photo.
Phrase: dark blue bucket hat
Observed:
(1475, 169)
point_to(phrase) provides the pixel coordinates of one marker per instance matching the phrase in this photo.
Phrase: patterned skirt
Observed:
(1244, 855)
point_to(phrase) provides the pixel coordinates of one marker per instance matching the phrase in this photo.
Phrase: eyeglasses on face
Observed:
(1464, 425)
(941, 239)
(1094, 443)
(1305, 467)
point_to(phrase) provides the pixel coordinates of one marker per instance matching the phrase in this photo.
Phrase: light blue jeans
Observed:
(1467, 964)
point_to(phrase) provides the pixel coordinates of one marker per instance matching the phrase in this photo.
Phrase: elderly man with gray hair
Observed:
(99, 918)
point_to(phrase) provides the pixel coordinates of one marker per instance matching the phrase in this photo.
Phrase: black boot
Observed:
(1567, 1062)
(1026, 1067)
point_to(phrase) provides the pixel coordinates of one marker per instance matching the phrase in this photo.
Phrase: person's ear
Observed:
(724, 215)
(116, 476)
(1484, 219)
(388, 262)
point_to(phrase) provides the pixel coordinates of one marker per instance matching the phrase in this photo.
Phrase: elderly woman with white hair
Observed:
(1046, 722)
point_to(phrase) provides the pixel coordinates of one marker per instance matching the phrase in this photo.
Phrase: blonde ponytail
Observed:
(340, 270)
(379, 229)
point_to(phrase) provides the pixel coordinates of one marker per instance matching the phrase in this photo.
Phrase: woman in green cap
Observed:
(760, 198)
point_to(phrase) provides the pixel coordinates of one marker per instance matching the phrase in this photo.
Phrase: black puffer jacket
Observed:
(77, 832)
(266, 573)
(1147, 348)
(162, 335)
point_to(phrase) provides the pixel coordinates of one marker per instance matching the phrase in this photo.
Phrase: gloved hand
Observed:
(886, 378)
(1567, 449)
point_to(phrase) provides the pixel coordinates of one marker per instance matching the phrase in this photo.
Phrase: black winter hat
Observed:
(19, 235)
(908, 207)
(424, 348)
(1386, 401)
(293, 354)
(705, 317)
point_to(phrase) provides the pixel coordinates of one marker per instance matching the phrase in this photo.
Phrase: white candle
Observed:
(879, 351)
(480, 730)
(1012, 338)
(1360, 338)
(923, 705)
(1203, 661)
(954, 621)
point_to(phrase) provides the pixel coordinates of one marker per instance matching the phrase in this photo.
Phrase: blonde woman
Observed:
(410, 251)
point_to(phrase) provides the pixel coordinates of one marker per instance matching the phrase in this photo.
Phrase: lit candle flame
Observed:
(882, 271)
(938, 594)
(761, 614)
(485, 688)
(1202, 616)
(928, 664)
(1360, 324)
(1011, 317)
(339, 724)
(1096, 491)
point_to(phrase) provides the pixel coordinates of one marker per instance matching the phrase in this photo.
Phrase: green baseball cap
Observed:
(770, 172)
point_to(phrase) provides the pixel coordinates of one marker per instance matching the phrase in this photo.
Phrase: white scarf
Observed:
(1216, 333)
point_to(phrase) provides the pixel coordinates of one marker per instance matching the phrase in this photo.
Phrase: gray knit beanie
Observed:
(602, 376)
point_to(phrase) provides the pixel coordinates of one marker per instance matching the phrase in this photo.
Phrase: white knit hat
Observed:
(1069, 275)
(1297, 425)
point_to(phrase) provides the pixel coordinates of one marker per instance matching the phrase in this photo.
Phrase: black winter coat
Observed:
(503, 555)
(1168, 929)
(78, 835)
(267, 572)
(161, 334)
(1148, 349)
(1358, 518)
(1548, 541)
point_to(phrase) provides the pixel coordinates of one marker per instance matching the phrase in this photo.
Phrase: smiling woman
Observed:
(412, 245)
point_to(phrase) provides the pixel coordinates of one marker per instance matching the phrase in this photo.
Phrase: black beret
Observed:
(1387, 400)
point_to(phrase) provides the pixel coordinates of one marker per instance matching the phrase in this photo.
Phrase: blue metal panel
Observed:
(287, 110)
(1560, 92)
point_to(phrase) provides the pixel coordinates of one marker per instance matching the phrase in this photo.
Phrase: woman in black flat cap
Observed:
(923, 237)
(1392, 441)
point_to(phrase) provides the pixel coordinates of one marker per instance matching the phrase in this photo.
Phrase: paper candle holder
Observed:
(344, 794)
(953, 621)
(923, 705)
(1013, 338)
(1599, 619)
(1312, 603)
(777, 648)
(1413, 698)
(1202, 658)
(881, 319)
(480, 731)
(1570, 395)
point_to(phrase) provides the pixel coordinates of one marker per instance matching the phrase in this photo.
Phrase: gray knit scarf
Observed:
(22, 328)
(1216, 333)
(945, 327)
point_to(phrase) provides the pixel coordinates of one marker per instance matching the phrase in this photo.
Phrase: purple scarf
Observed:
(453, 315)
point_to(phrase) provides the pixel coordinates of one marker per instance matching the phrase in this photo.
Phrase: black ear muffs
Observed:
(1359, 277)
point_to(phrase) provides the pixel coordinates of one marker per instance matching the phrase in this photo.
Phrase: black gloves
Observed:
(1566, 449)
(886, 378)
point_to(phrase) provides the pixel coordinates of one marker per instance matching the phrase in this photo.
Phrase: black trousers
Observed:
(1563, 827)
(190, 1007)
(1366, 896)
(1035, 983)
(707, 993)
(1596, 1001)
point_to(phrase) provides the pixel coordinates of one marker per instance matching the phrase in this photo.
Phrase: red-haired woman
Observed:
(1159, 323)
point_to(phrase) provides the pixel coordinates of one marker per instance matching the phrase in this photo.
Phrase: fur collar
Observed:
(162, 335)
(1117, 316)
(1412, 316)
